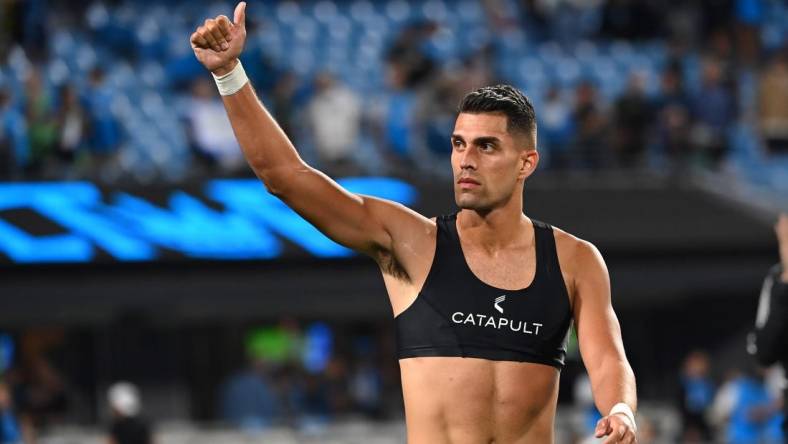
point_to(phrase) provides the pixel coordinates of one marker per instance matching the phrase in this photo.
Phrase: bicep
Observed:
(362, 223)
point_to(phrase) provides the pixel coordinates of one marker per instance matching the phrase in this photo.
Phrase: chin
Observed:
(469, 203)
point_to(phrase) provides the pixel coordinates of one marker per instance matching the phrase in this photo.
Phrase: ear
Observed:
(529, 159)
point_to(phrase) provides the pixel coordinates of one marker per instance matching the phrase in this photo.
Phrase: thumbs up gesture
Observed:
(218, 43)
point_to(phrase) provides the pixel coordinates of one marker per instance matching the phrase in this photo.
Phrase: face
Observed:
(489, 163)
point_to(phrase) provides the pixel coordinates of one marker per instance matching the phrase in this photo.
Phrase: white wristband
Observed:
(231, 82)
(625, 410)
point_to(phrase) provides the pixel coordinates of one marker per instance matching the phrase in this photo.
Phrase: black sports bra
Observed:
(456, 314)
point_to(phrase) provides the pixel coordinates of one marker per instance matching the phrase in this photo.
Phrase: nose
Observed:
(468, 159)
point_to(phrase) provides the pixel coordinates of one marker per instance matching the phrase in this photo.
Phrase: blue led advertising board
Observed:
(221, 219)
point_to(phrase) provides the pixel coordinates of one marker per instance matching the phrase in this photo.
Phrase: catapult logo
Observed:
(498, 300)
(498, 323)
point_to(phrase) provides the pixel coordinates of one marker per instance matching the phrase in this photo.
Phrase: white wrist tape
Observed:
(624, 409)
(231, 82)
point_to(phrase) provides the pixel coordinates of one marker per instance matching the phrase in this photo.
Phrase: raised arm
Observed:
(599, 337)
(365, 224)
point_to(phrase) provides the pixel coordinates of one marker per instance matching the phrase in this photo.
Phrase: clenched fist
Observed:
(218, 43)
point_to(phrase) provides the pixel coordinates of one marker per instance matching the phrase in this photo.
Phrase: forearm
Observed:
(266, 147)
(613, 382)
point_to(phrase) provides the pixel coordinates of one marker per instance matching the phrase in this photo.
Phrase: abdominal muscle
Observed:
(455, 400)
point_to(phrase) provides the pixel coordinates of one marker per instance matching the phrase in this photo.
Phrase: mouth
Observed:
(467, 183)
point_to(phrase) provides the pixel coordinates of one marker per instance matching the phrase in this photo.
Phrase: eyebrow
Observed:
(478, 140)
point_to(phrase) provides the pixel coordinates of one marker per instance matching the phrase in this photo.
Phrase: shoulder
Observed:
(575, 249)
(578, 257)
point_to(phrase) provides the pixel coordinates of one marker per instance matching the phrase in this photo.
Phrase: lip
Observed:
(466, 183)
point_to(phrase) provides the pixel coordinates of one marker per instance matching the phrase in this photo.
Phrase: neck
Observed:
(496, 228)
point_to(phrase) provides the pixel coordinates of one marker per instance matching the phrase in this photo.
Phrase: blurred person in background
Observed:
(41, 390)
(249, 399)
(72, 125)
(105, 133)
(461, 379)
(267, 390)
(10, 432)
(555, 128)
(591, 142)
(366, 380)
(633, 116)
(14, 141)
(286, 97)
(746, 411)
(41, 123)
(696, 397)
(673, 119)
(211, 133)
(714, 110)
(773, 103)
(127, 425)
(769, 342)
(334, 117)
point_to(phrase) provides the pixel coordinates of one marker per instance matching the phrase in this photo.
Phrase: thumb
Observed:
(239, 17)
(601, 427)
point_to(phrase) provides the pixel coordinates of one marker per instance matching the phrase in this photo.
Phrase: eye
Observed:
(487, 146)
(456, 143)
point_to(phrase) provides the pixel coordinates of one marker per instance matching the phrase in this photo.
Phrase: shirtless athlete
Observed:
(483, 299)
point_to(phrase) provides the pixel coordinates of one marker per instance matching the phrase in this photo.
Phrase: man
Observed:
(769, 343)
(127, 425)
(483, 299)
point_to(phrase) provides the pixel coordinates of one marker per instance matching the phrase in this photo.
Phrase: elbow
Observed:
(279, 180)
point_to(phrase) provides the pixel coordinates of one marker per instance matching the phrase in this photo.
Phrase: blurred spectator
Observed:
(747, 411)
(773, 104)
(105, 133)
(366, 381)
(584, 403)
(72, 124)
(14, 143)
(248, 398)
(42, 391)
(697, 395)
(407, 54)
(337, 378)
(10, 432)
(714, 110)
(769, 343)
(265, 391)
(555, 128)
(590, 147)
(211, 133)
(334, 116)
(394, 117)
(633, 116)
(285, 101)
(673, 120)
(41, 122)
(435, 114)
(127, 426)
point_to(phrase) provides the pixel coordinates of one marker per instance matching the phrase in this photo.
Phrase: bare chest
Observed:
(509, 269)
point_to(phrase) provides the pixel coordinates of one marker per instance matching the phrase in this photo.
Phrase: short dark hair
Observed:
(504, 99)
